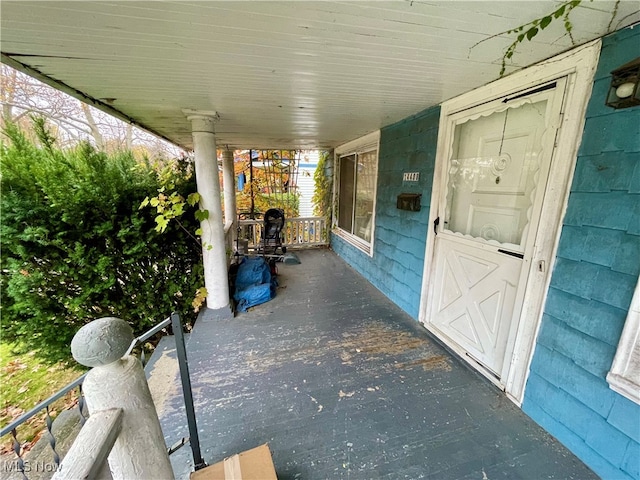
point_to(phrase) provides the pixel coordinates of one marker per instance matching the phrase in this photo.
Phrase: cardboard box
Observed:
(254, 464)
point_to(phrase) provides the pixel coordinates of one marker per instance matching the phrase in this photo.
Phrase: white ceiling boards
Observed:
(292, 74)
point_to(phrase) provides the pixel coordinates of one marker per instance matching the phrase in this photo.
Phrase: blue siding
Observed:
(592, 284)
(591, 287)
(400, 236)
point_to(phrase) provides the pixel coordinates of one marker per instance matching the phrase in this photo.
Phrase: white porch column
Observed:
(213, 242)
(229, 184)
(115, 382)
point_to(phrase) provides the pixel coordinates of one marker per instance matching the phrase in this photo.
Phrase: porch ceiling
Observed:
(289, 74)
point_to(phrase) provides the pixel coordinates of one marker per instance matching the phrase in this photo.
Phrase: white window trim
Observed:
(619, 375)
(363, 144)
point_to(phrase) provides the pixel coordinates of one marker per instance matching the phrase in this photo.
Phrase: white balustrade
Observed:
(88, 455)
(123, 421)
(299, 232)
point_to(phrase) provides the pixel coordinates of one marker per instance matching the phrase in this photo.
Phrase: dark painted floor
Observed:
(344, 385)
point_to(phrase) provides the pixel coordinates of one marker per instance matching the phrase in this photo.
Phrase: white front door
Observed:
(493, 187)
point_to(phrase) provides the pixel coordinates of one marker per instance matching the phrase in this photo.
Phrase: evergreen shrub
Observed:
(76, 246)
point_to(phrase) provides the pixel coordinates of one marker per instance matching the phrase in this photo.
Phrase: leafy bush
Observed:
(289, 202)
(76, 246)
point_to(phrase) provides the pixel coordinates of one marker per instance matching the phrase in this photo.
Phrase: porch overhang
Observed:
(281, 74)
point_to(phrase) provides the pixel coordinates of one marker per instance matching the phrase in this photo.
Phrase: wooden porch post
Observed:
(213, 241)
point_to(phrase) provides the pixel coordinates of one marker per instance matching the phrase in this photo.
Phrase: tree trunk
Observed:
(129, 137)
(95, 132)
(8, 86)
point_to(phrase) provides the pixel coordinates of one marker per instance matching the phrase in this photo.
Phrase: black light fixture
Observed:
(625, 86)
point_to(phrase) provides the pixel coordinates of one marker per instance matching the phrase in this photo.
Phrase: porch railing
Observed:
(86, 458)
(300, 232)
(229, 237)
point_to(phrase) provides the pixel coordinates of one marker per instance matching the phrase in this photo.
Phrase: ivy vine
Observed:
(323, 188)
(170, 207)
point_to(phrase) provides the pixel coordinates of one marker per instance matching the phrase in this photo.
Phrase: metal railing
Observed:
(175, 322)
(299, 232)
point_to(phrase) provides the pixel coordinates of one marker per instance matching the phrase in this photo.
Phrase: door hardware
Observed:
(513, 254)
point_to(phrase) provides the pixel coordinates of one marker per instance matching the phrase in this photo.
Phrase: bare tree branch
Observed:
(21, 95)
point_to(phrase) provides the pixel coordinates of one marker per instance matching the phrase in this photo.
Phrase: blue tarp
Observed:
(254, 283)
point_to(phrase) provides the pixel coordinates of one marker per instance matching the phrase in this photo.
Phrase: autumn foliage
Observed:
(273, 182)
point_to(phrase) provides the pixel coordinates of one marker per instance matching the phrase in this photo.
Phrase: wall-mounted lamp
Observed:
(625, 86)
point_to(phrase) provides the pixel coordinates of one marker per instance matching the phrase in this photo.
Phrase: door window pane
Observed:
(494, 173)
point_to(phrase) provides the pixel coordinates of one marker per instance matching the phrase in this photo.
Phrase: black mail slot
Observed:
(409, 201)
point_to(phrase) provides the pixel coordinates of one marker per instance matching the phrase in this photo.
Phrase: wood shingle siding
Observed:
(397, 264)
(591, 288)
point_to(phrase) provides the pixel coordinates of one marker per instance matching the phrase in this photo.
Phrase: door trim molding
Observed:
(578, 66)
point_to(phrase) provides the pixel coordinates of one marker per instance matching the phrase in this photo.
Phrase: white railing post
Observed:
(117, 381)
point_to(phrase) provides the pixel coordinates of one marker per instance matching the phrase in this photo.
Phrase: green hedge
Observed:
(76, 246)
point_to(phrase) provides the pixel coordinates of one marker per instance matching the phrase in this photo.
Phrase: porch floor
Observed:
(343, 384)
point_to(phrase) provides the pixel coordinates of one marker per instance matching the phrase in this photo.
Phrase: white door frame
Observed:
(578, 66)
